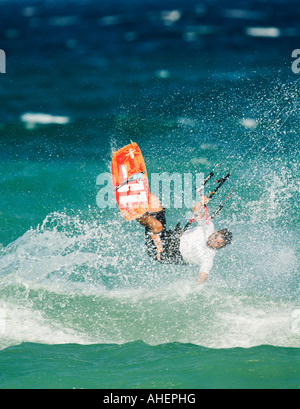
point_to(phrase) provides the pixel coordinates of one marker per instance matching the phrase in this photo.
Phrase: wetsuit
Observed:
(164, 246)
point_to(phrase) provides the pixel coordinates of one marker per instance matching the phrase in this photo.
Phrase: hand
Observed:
(198, 207)
(201, 278)
(204, 200)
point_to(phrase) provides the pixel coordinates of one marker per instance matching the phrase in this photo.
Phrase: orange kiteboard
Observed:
(130, 181)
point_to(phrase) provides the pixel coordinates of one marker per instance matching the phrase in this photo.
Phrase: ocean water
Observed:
(195, 84)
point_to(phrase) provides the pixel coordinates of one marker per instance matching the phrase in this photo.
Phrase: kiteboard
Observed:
(130, 181)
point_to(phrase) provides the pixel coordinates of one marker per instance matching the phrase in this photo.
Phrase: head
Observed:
(219, 239)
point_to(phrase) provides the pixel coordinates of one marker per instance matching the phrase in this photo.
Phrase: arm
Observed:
(198, 208)
(206, 266)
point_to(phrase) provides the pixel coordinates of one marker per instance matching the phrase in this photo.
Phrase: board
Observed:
(130, 181)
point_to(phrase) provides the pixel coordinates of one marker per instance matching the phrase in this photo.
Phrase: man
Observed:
(193, 246)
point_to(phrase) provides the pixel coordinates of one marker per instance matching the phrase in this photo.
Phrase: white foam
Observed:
(31, 120)
(249, 123)
(24, 324)
(167, 17)
(271, 32)
(170, 17)
(258, 325)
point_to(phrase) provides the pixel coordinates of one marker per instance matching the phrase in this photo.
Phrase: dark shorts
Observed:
(164, 246)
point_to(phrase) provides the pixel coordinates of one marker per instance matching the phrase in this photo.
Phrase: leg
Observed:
(149, 221)
(155, 205)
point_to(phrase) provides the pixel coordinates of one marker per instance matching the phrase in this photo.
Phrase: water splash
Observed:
(68, 280)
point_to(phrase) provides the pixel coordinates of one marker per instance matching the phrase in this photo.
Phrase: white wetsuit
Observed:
(193, 247)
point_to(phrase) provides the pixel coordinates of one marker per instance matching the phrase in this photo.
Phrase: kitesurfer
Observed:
(196, 245)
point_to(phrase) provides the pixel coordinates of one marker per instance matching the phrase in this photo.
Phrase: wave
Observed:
(86, 279)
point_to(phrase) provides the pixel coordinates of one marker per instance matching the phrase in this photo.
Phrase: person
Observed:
(197, 245)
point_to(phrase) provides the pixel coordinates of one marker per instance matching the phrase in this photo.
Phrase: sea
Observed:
(200, 85)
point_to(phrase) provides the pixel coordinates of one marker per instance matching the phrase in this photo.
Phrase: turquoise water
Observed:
(139, 366)
(81, 305)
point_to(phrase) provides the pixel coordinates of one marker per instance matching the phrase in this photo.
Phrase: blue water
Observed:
(194, 84)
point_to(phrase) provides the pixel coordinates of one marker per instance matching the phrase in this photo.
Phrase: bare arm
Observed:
(198, 208)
